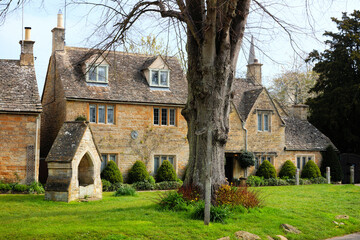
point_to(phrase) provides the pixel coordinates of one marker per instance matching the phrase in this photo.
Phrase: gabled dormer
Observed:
(157, 73)
(96, 69)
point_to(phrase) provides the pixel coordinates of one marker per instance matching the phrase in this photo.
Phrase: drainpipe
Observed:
(246, 133)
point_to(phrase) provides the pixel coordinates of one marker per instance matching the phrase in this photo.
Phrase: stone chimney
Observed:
(300, 111)
(58, 41)
(253, 67)
(27, 46)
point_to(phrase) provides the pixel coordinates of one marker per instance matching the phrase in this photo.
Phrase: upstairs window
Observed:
(101, 113)
(97, 74)
(164, 116)
(159, 78)
(263, 121)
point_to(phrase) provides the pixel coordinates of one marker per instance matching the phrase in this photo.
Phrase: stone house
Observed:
(133, 103)
(20, 110)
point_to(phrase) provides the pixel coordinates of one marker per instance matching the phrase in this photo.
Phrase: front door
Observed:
(229, 167)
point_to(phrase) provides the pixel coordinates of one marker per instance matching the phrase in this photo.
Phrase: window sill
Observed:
(98, 84)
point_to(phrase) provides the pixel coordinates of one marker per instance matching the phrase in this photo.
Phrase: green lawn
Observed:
(310, 208)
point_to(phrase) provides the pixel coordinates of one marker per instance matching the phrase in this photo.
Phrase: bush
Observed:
(151, 180)
(167, 185)
(234, 196)
(125, 190)
(246, 159)
(112, 173)
(106, 185)
(319, 180)
(190, 193)
(217, 213)
(266, 170)
(255, 181)
(21, 188)
(4, 187)
(144, 185)
(80, 119)
(172, 201)
(331, 159)
(36, 187)
(166, 172)
(288, 170)
(138, 173)
(310, 170)
(276, 182)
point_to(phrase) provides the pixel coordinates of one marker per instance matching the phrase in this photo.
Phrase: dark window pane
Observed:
(156, 163)
(102, 73)
(171, 160)
(163, 116)
(92, 74)
(172, 117)
(266, 122)
(92, 113)
(110, 114)
(101, 110)
(164, 78)
(298, 160)
(156, 116)
(163, 158)
(155, 78)
(259, 122)
(112, 157)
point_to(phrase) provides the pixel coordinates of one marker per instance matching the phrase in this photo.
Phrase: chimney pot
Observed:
(27, 33)
(60, 20)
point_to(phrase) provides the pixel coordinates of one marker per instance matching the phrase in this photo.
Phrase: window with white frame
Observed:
(159, 78)
(102, 113)
(259, 159)
(106, 157)
(263, 121)
(159, 159)
(301, 160)
(164, 116)
(97, 73)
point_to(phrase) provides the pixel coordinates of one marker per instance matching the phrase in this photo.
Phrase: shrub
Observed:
(80, 119)
(190, 193)
(331, 159)
(167, 185)
(151, 180)
(166, 172)
(138, 173)
(246, 159)
(106, 185)
(233, 196)
(319, 180)
(288, 170)
(217, 213)
(21, 188)
(310, 170)
(276, 182)
(255, 181)
(172, 201)
(112, 173)
(125, 190)
(144, 185)
(36, 187)
(5, 187)
(266, 170)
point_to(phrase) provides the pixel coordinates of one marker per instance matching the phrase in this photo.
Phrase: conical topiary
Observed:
(112, 173)
(266, 170)
(288, 169)
(310, 170)
(331, 159)
(138, 173)
(166, 172)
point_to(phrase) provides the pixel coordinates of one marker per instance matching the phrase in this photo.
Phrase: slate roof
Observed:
(126, 82)
(18, 88)
(302, 135)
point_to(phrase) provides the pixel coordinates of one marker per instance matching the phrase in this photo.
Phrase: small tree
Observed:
(331, 159)
(310, 170)
(288, 170)
(112, 173)
(138, 173)
(246, 159)
(166, 172)
(266, 170)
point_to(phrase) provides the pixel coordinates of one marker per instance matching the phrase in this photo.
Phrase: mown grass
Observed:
(310, 208)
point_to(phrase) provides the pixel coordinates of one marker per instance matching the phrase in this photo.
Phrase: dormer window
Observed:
(97, 74)
(159, 78)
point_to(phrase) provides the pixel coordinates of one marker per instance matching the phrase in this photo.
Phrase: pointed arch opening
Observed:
(86, 171)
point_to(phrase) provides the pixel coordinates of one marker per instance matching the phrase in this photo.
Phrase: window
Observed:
(98, 74)
(263, 121)
(159, 78)
(301, 160)
(159, 159)
(99, 113)
(259, 159)
(106, 157)
(164, 116)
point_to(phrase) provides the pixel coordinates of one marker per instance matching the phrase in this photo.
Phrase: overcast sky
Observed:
(273, 48)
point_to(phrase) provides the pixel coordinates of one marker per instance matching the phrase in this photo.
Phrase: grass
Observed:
(310, 208)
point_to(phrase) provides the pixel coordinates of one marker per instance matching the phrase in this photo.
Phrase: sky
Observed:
(272, 45)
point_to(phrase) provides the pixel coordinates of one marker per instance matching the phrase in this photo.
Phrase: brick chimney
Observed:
(253, 67)
(58, 41)
(300, 111)
(27, 46)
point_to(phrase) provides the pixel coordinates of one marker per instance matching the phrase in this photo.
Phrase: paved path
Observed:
(354, 236)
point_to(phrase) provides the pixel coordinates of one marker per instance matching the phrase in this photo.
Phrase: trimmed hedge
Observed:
(34, 187)
(310, 170)
(331, 159)
(246, 159)
(138, 173)
(288, 170)
(166, 172)
(112, 173)
(266, 170)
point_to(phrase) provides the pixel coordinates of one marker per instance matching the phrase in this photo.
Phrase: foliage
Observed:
(36, 187)
(143, 185)
(5, 187)
(80, 119)
(318, 180)
(106, 185)
(172, 201)
(138, 173)
(112, 173)
(151, 180)
(167, 185)
(246, 159)
(336, 109)
(310, 170)
(255, 181)
(331, 159)
(125, 190)
(217, 213)
(20, 188)
(166, 172)
(266, 170)
(233, 196)
(288, 170)
(190, 193)
(276, 182)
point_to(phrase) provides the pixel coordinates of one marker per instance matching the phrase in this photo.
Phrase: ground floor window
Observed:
(301, 160)
(106, 157)
(259, 159)
(159, 159)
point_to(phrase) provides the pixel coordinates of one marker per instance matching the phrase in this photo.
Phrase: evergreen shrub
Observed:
(167, 185)
(143, 185)
(246, 159)
(125, 190)
(172, 201)
(266, 170)
(138, 173)
(166, 172)
(288, 170)
(112, 173)
(331, 159)
(310, 170)
(106, 185)
(36, 187)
